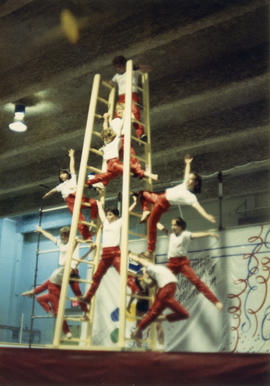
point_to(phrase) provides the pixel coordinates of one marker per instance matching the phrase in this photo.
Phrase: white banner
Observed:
(236, 268)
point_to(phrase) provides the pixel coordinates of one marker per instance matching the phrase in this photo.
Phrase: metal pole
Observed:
(220, 198)
(21, 328)
(35, 277)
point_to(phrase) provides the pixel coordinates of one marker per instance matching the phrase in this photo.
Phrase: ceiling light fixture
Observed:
(18, 125)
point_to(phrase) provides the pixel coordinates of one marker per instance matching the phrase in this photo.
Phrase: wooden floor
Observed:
(36, 366)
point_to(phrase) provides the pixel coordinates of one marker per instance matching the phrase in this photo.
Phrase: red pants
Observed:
(50, 301)
(114, 169)
(83, 229)
(135, 165)
(139, 130)
(181, 265)
(160, 206)
(164, 299)
(110, 257)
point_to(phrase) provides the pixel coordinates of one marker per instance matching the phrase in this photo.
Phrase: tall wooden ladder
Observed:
(95, 100)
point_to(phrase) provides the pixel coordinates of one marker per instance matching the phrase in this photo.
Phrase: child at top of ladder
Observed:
(111, 253)
(119, 62)
(67, 188)
(112, 145)
(166, 283)
(182, 194)
(179, 241)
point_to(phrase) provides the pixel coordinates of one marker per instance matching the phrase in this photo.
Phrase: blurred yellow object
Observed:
(132, 313)
(69, 26)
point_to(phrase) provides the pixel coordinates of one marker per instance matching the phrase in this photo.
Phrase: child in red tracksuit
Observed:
(50, 301)
(67, 187)
(118, 126)
(111, 253)
(62, 244)
(179, 241)
(119, 78)
(166, 283)
(182, 194)
(112, 143)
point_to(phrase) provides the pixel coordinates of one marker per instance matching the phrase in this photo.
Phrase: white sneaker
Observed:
(68, 335)
(98, 185)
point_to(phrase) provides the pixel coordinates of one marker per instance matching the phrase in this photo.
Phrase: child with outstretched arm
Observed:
(112, 144)
(67, 188)
(111, 252)
(179, 241)
(182, 194)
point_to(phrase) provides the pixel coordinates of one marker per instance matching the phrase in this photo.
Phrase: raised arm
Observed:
(52, 191)
(71, 153)
(101, 212)
(198, 235)
(162, 228)
(188, 160)
(203, 213)
(46, 234)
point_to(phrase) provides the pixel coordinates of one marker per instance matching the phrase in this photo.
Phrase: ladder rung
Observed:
(141, 340)
(137, 234)
(96, 151)
(73, 340)
(93, 169)
(106, 84)
(99, 116)
(78, 319)
(138, 140)
(139, 158)
(89, 241)
(139, 88)
(135, 214)
(103, 100)
(87, 223)
(80, 281)
(140, 123)
(97, 134)
(84, 261)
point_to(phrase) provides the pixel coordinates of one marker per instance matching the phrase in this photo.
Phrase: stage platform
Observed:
(39, 366)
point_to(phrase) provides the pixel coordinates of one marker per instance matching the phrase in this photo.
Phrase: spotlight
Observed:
(18, 124)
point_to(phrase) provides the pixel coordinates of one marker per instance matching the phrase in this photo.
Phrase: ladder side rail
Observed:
(149, 185)
(125, 206)
(146, 112)
(92, 306)
(77, 206)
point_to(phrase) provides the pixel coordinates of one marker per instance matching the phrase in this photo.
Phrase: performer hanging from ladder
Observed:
(119, 79)
(67, 187)
(112, 144)
(179, 241)
(49, 302)
(166, 282)
(111, 253)
(182, 194)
